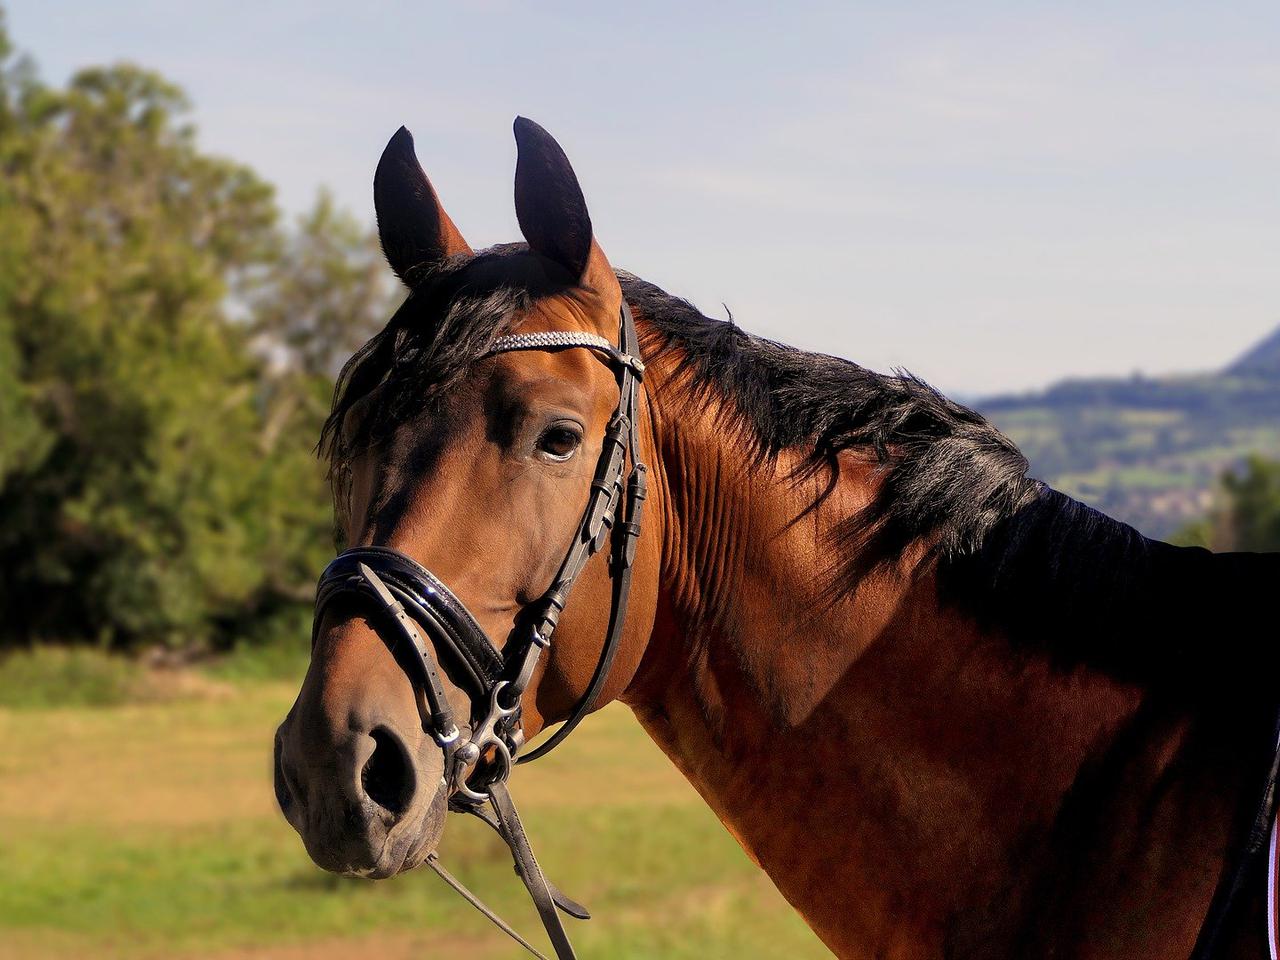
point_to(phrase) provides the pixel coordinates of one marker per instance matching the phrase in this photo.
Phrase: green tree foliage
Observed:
(1248, 514)
(324, 295)
(166, 354)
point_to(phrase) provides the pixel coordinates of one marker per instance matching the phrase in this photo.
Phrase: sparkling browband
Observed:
(550, 339)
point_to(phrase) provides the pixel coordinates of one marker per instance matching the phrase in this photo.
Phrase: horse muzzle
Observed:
(357, 777)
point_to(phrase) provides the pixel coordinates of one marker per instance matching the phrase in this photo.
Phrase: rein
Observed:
(480, 755)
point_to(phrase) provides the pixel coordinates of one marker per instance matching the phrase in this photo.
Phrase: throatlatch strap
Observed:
(621, 505)
(625, 532)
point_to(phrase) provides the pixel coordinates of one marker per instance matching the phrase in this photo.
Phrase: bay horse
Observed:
(950, 711)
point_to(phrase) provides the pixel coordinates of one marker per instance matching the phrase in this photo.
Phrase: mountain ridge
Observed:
(1148, 450)
(1262, 358)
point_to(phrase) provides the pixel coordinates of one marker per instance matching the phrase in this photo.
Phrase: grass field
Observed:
(147, 830)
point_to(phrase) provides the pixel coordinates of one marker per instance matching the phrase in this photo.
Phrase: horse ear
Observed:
(413, 227)
(549, 203)
(553, 213)
(599, 276)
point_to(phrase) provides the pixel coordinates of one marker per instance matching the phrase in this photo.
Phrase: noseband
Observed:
(419, 608)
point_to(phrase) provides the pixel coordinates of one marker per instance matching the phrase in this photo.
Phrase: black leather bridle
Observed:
(417, 607)
(480, 755)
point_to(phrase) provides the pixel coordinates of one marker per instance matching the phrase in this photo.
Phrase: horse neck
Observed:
(870, 750)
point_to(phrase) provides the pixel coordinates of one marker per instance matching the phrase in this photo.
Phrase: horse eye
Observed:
(559, 443)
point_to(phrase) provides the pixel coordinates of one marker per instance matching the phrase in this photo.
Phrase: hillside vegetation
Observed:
(1150, 451)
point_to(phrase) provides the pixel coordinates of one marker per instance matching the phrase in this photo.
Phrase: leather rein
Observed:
(418, 607)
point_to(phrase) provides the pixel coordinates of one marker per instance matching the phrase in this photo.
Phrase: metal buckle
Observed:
(488, 735)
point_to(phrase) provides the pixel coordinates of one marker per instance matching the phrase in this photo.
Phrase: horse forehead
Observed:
(573, 365)
(576, 367)
(576, 312)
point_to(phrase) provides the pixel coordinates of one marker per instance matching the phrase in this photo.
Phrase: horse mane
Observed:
(1005, 546)
(1028, 562)
(947, 476)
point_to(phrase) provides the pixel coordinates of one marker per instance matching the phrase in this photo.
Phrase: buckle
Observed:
(488, 737)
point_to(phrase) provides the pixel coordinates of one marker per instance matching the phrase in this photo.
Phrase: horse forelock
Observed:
(453, 312)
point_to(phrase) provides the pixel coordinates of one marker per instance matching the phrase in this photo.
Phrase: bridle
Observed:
(479, 756)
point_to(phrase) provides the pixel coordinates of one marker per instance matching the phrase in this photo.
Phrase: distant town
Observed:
(1149, 450)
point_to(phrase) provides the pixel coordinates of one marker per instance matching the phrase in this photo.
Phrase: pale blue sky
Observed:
(994, 195)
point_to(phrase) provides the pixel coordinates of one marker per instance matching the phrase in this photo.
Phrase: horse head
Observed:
(467, 439)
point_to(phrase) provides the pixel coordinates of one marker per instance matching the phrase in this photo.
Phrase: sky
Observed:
(994, 196)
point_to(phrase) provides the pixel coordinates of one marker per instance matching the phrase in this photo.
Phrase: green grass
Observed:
(277, 660)
(149, 831)
(71, 676)
(219, 886)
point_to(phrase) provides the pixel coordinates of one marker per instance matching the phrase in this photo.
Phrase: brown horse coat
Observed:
(951, 712)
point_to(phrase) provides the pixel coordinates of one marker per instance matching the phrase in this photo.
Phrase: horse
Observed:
(950, 711)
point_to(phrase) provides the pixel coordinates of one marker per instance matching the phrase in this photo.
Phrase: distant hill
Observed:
(1149, 450)
(1262, 359)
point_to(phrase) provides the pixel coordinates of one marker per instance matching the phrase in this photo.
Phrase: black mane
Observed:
(1048, 572)
(1006, 547)
(947, 475)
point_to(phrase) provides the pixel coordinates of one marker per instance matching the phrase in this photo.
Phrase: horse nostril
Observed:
(387, 777)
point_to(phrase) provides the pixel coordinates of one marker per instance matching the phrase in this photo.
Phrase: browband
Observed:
(554, 339)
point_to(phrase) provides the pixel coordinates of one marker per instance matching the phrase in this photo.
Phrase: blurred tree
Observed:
(160, 387)
(325, 295)
(1248, 514)
(21, 438)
